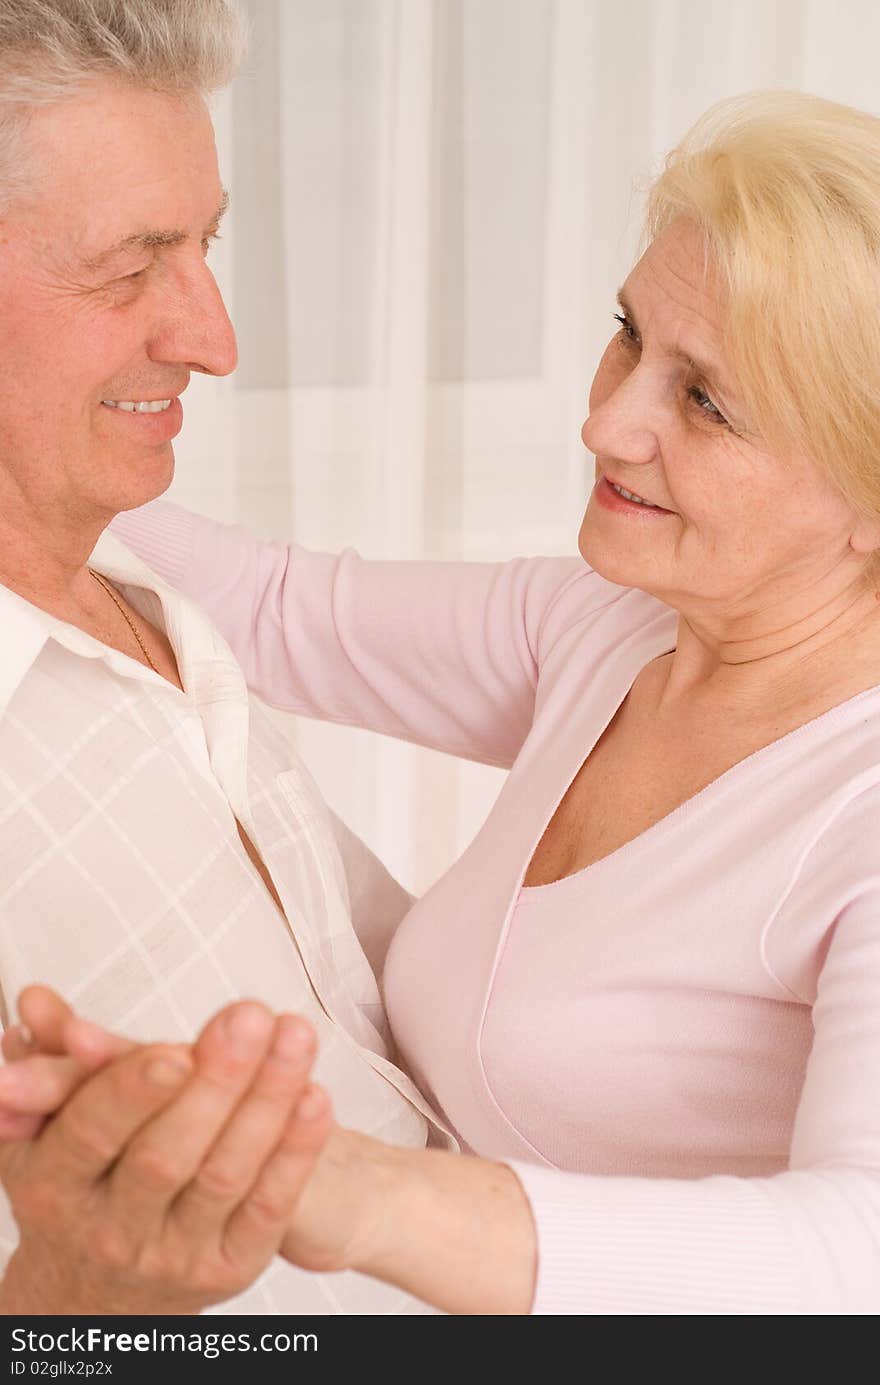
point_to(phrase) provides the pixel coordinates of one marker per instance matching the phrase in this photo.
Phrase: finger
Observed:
(231, 1167)
(55, 1028)
(39, 1084)
(15, 1127)
(163, 1158)
(94, 1127)
(17, 1042)
(34, 1086)
(31, 1089)
(91, 1045)
(265, 1213)
(44, 1012)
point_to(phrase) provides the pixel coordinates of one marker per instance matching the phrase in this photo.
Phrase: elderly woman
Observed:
(647, 998)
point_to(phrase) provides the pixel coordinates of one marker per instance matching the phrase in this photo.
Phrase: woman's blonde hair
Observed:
(785, 188)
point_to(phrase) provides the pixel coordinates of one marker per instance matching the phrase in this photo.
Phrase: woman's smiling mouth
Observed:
(613, 496)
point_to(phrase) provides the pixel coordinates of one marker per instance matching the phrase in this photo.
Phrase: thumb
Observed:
(54, 1028)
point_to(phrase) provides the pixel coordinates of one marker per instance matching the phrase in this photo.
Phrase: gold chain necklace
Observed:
(125, 616)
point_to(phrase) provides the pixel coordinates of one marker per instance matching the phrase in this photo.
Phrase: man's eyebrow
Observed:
(709, 372)
(151, 239)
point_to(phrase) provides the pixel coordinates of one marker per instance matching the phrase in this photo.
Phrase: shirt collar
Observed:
(25, 628)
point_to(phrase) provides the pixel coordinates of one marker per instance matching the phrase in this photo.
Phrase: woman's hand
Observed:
(450, 1229)
(453, 1230)
(166, 1180)
(48, 1056)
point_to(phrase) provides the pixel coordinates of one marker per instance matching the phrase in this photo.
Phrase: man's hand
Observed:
(455, 1231)
(166, 1180)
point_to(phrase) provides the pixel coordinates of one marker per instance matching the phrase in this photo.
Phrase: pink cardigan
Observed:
(677, 1049)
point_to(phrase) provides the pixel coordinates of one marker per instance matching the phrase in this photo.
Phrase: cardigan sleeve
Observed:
(805, 1241)
(441, 654)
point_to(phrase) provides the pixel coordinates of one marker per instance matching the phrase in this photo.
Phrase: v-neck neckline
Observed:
(694, 802)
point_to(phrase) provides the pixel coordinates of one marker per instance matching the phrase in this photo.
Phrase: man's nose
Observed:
(197, 331)
(624, 423)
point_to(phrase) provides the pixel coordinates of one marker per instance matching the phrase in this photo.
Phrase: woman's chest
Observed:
(624, 1039)
(636, 775)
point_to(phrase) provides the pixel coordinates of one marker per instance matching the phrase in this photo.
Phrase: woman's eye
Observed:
(699, 397)
(705, 404)
(626, 328)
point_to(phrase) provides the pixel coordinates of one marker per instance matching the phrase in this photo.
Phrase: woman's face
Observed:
(732, 523)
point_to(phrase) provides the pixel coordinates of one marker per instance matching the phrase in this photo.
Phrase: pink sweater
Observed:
(678, 1048)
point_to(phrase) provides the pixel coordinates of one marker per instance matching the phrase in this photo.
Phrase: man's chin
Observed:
(145, 480)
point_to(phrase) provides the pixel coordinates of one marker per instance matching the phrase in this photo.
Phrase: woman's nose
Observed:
(622, 421)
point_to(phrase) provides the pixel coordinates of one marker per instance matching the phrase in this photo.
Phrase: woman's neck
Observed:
(766, 662)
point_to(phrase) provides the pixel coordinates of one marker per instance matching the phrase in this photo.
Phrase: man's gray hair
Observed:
(51, 48)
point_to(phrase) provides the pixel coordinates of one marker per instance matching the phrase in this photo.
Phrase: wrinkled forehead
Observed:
(678, 275)
(113, 150)
(677, 296)
(107, 129)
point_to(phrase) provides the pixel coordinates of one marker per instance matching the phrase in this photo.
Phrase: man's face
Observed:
(105, 298)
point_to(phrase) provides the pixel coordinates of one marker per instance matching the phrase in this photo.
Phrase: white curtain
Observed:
(433, 203)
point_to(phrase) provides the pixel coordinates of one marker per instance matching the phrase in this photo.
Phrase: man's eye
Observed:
(701, 399)
(133, 277)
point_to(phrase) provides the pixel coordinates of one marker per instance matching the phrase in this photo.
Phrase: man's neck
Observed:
(44, 557)
(49, 567)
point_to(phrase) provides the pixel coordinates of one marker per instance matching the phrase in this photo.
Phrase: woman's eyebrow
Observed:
(149, 239)
(706, 369)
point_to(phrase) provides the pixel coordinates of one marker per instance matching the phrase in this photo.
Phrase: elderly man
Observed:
(163, 852)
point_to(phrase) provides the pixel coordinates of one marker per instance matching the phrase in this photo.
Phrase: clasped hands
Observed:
(163, 1178)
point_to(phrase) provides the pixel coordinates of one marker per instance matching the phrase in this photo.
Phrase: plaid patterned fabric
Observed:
(124, 884)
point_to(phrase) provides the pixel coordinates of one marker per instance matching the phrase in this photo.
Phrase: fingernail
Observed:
(313, 1104)
(293, 1040)
(167, 1072)
(26, 1036)
(247, 1026)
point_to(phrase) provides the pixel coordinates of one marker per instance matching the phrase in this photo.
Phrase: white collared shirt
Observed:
(124, 883)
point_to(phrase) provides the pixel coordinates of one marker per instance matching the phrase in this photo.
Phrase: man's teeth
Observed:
(628, 495)
(138, 406)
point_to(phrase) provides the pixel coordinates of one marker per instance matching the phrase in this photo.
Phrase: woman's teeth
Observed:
(138, 406)
(628, 495)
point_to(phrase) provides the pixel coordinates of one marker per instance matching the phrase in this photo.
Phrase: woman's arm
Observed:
(805, 1241)
(457, 1231)
(442, 654)
(451, 1229)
